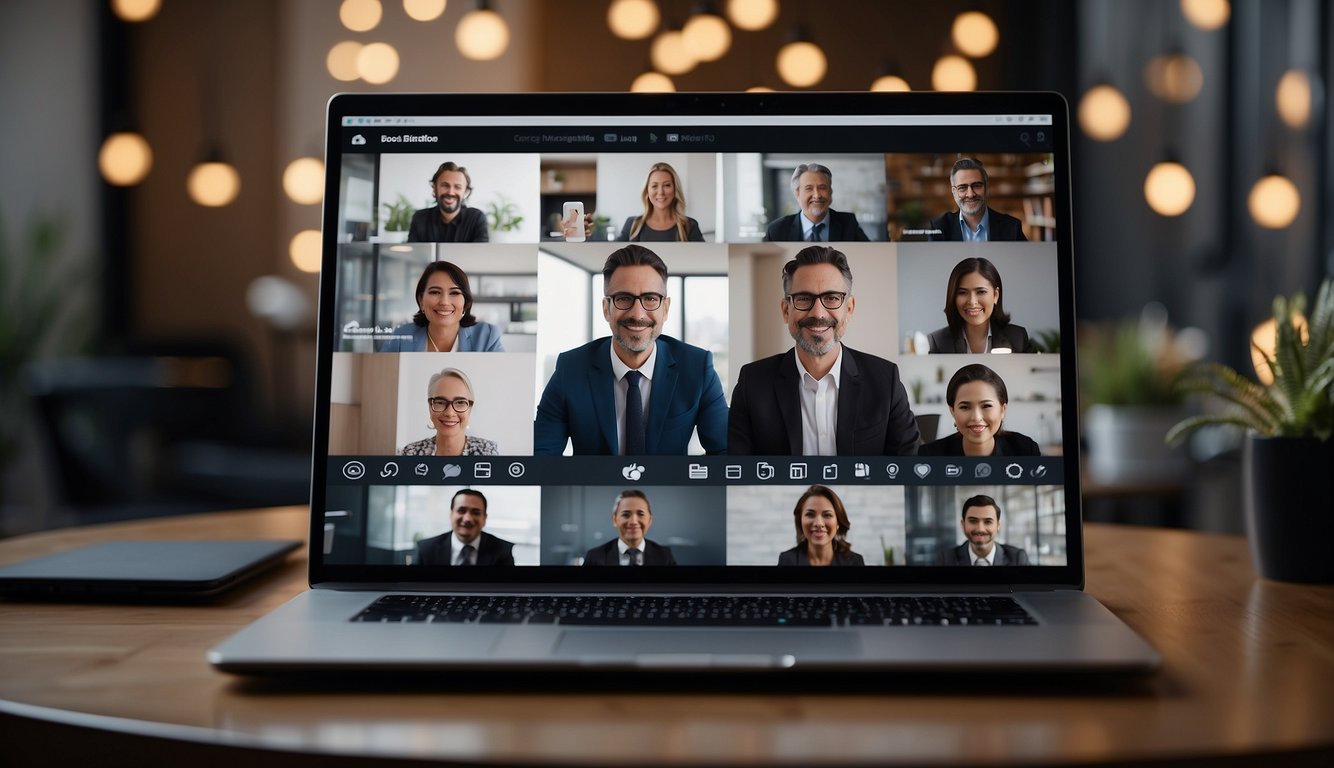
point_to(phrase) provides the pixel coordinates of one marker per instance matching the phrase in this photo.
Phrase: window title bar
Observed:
(697, 120)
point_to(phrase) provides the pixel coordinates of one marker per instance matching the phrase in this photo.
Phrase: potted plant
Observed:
(1127, 372)
(397, 219)
(1289, 421)
(503, 218)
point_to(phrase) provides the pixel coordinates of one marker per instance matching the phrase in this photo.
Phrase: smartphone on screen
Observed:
(572, 221)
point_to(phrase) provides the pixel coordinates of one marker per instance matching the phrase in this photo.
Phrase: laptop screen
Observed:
(709, 335)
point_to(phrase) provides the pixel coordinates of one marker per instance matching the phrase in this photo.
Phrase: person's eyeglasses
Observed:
(978, 188)
(439, 404)
(804, 301)
(624, 301)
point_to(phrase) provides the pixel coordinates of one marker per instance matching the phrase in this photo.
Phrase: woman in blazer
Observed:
(976, 319)
(444, 321)
(822, 530)
(978, 401)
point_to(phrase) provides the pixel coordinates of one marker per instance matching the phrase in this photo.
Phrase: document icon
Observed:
(831, 471)
(698, 472)
(796, 471)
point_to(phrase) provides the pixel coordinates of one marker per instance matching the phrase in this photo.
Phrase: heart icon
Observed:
(922, 470)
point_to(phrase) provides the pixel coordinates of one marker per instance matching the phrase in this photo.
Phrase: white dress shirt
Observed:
(819, 408)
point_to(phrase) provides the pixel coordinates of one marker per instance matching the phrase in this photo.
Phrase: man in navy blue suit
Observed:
(813, 186)
(636, 392)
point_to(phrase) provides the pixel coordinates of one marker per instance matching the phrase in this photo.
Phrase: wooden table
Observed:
(1248, 675)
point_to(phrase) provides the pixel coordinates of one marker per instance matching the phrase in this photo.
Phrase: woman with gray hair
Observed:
(450, 398)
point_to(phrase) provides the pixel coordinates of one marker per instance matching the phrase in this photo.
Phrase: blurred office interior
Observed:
(1201, 187)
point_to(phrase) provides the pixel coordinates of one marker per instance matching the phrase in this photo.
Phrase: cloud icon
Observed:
(453, 470)
(358, 140)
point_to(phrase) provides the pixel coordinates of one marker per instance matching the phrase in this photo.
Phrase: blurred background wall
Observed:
(1232, 91)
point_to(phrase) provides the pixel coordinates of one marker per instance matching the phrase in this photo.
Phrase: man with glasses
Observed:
(813, 186)
(465, 543)
(975, 222)
(820, 398)
(636, 392)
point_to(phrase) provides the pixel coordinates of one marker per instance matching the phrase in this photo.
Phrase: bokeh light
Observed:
(360, 15)
(653, 82)
(1104, 113)
(1274, 202)
(424, 10)
(752, 15)
(482, 35)
(305, 250)
(1169, 188)
(632, 19)
(975, 34)
(802, 64)
(213, 184)
(953, 73)
(303, 180)
(377, 63)
(125, 159)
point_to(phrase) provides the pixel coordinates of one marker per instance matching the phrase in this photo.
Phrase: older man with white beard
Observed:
(820, 398)
(614, 395)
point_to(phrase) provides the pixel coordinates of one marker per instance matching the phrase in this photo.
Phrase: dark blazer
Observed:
(843, 227)
(959, 556)
(1003, 227)
(873, 414)
(468, 227)
(610, 554)
(797, 556)
(1007, 444)
(579, 402)
(491, 550)
(1015, 337)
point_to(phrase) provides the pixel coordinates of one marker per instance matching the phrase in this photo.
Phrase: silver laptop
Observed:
(686, 381)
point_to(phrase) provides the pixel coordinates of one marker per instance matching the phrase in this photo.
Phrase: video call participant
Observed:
(978, 401)
(820, 398)
(981, 522)
(822, 531)
(813, 186)
(444, 321)
(614, 395)
(450, 220)
(450, 398)
(974, 222)
(664, 218)
(976, 317)
(632, 517)
(466, 543)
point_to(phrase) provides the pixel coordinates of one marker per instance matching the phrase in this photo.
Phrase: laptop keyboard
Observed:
(700, 611)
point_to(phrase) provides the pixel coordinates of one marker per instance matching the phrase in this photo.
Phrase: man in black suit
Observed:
(820, 398)
(813, 186)
(981, 522)
(466, 544)
(632, 517)
(968, 184)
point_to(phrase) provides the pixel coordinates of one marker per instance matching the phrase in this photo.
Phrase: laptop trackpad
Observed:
(706, 648)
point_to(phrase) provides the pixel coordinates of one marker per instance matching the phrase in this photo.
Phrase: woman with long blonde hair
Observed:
(664, 218)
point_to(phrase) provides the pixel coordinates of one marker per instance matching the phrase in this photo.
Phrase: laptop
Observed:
(749, 382)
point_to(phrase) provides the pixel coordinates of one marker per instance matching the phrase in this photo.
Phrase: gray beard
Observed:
(624, 342)
(811, 348)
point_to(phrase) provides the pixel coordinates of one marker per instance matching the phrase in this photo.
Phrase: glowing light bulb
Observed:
(1274, 202)
(482, 35)
(305, 250)
(669, 53)
(1173, 77)
(377, 63)
(1206, 14)
(213, 184)
(653, 82)
(752, 15)
(303, 180)
(632, 19)
(135, 10)
(975, 34)
(342, 61)
(1169, 189)
(759, 89)
(707, 36)
(1293, 98)
(1104, 113)
(125, 159)
(360, 15)
(890, 83)
(424, 10)
(953, 73)
(802, 64)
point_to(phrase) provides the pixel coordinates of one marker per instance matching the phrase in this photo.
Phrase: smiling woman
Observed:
(977, 320)
(450, 398)
(444, 321)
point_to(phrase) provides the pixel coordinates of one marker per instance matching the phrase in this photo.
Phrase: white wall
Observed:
(501, 380)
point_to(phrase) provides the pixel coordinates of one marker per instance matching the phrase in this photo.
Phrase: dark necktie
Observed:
(633, 556)
(634, 415)
(817, 233)
(465, 555)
